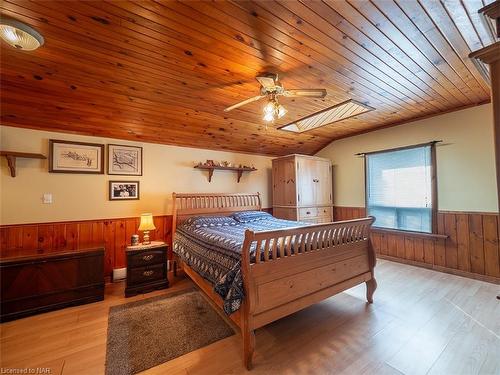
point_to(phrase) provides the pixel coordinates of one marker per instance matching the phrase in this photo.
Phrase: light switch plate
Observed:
(47, 198)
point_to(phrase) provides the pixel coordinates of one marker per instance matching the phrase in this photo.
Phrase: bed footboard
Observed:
(297, 267)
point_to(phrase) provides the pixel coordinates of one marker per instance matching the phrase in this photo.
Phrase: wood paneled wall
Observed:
(472, 248)
(113, 234)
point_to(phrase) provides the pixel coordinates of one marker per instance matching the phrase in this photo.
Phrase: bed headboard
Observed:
(203, 204)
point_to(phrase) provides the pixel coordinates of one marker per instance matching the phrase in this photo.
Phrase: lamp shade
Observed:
(146, 222)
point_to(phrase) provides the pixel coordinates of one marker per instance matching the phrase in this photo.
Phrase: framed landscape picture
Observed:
(75, 157)
(123, 190)
(124, 160)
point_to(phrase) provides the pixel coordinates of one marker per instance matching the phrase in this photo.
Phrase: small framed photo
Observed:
(124, 160)
(75, 157)
(123, 190)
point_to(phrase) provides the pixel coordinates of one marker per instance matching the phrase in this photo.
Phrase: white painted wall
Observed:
(79, 197)
(465, 159)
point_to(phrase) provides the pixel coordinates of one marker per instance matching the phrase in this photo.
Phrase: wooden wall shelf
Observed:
(236, 169)
(12, 155)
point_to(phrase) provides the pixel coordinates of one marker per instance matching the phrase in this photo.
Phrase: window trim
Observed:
(409, 233)
(434, 197)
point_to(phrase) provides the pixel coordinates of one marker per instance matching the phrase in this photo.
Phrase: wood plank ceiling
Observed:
(163, 71)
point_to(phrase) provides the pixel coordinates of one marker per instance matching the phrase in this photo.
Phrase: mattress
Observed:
(211, 246)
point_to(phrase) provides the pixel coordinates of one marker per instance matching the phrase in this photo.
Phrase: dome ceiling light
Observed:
(20, 35)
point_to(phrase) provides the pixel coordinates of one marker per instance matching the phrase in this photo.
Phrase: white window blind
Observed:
(399, 188)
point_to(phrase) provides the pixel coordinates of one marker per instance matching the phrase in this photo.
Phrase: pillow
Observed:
(210, 221)
(248, 216)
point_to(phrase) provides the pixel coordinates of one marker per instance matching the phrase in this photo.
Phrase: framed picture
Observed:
(124, 160)
(75, 157)
(123, 190)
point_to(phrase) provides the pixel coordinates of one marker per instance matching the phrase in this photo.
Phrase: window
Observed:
(399, 188)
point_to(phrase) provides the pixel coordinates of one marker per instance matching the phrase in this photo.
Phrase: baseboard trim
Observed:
(469, 275)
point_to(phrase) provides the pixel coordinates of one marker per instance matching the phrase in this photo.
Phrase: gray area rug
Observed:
(146, 333)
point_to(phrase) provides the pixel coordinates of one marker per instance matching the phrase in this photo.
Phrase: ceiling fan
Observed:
(271, 89)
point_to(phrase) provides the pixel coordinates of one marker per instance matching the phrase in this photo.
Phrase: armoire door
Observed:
(322, 182)
(284, 183)
(305, 184)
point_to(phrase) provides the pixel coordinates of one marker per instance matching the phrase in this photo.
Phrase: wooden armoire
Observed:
(302, 188)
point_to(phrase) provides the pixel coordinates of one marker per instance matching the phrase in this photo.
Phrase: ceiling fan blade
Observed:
(266, 82)
(249, 100)
(310, 93)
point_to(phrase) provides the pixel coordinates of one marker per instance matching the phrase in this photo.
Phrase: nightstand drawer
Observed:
(146, 268)
(146, 274)
(146, 258)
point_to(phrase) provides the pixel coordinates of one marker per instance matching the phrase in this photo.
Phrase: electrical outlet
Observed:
(119, 274)
(47, 198)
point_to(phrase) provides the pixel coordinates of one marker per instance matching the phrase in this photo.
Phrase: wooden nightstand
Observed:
(146, 268)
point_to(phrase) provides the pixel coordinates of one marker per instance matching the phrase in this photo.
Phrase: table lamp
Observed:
(145, 226)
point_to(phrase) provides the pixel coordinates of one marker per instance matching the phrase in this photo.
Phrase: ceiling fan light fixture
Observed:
(281, 111)
(273, 110)
(271, 89)
(20, 35)
(269, 107)
(268, 117)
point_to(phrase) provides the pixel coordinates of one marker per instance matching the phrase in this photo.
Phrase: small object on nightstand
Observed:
(134, 241)
(146, 225)
(146, 268)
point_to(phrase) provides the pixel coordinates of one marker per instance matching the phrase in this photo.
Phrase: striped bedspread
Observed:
(212, 247)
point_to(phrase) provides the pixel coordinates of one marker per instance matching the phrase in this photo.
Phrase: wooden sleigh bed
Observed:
(326, 259)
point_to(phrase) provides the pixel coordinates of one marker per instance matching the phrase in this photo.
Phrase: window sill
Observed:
(406, 233)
